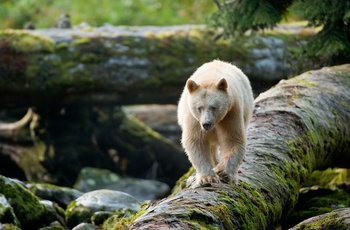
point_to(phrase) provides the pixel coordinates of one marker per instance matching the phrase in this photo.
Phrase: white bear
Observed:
(214, 111)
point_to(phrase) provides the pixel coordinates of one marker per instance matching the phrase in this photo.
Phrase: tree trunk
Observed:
(300, 125)
(337, 219)
(126, 65)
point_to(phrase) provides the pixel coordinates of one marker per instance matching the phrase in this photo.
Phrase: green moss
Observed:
(180, 183)
(80, 41)
(200, 220)
(316, 202)
(76, 214)
(329, 222)
(9, 227)
(122, 219)
(328, 178)
(62, 46)
(26, 42)
(248, 207)
(26, 206)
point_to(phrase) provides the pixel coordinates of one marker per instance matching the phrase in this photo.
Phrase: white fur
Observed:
(214, 111)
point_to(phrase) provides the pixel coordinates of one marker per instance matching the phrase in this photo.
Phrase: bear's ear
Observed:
(192, 86)
(222, 85)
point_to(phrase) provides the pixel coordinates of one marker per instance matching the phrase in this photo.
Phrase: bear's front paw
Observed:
(206, 181)
(224, 177)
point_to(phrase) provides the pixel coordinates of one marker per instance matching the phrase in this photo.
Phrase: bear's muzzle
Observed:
(207, 126)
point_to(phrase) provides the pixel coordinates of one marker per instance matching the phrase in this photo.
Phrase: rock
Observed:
(98, 218)
(269, 64)
(53, 214)
(26, 206)
(161, 118)
(61, 195)
(84, 226)
(7, 214)
(82, 209)
(91, 179)
(9, 227)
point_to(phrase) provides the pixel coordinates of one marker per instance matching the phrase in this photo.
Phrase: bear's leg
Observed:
(199, 154)
(228, 167)
(232, 150)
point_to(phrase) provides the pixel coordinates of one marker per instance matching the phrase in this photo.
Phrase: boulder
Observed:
(91, 179)
(28, 210)
(82, 209)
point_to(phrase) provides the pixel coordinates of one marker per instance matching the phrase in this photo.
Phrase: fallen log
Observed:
(337, 219)
(300, 125)
(102, 65)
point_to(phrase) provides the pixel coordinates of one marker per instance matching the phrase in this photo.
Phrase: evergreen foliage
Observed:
(238, 16)
(332, 16)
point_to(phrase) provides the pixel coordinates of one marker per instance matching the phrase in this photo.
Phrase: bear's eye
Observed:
(200, 109)
(213, 108)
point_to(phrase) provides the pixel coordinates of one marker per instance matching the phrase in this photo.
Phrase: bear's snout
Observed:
(207, 126)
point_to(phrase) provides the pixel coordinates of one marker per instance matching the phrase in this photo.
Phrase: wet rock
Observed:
(61, 195)
(82, 209)
(7, 214)
(98, 218)
(84, 226)
(53, 213)
(91, 179)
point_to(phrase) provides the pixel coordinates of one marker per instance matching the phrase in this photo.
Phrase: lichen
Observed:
(305, 82)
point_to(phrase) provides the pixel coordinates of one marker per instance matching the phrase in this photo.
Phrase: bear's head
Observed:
(208, 103)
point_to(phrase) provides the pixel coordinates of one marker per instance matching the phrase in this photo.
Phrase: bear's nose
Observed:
(207, 126)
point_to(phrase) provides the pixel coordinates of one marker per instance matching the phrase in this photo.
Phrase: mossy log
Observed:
(338, 219)
(300, 125)
(126, 65)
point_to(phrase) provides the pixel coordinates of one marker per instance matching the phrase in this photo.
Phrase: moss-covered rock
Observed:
(60, 195)
(9, 227)
(7, 214)
(85, 207)
(27, 208)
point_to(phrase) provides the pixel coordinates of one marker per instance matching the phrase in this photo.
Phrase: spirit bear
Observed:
(214, 111)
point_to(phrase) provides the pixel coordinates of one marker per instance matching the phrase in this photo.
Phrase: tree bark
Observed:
(300, 125)
(337, 219)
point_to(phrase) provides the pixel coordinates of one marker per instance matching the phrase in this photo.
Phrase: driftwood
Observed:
(17, 124)
(300, 125)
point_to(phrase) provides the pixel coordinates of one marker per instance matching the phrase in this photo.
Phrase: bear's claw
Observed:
(207, 180)
(224, 177)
